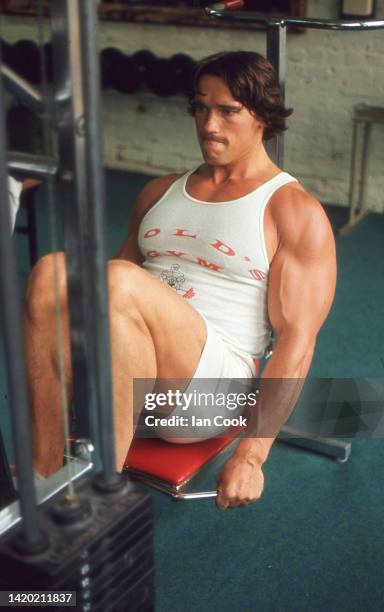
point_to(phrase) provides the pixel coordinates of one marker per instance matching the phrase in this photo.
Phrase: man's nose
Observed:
(211, 123)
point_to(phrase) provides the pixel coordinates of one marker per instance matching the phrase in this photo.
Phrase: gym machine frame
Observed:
(276, 52)
(74, 102)
(108, 563)
(71, 103)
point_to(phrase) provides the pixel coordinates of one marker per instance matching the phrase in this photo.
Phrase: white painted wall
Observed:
(327, 74)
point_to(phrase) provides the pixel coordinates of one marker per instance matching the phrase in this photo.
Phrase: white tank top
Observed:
(14, 191)
(214, 255)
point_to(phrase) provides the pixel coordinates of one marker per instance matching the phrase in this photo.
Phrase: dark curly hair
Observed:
(252, 80)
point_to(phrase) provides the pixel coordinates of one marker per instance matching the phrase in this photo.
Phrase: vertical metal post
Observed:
(10, 304)
(276, 53)
(97, 251)
(69, 101)
(7, 490)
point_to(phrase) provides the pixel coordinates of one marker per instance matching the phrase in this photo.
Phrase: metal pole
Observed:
(304, 22)
(10, 305)
(97, 251)
(22, 89)
(277, 55)
(69, 102)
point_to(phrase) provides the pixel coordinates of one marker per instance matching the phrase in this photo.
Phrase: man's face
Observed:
(226, 130)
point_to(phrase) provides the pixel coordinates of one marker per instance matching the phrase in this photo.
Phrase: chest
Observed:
(221, 237)
(219, 196)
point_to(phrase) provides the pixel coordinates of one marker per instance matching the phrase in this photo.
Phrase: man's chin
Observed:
(212, 159)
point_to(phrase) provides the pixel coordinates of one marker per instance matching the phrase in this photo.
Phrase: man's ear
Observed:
(261, 123)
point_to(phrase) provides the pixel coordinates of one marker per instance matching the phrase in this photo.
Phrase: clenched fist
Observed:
(240, 482)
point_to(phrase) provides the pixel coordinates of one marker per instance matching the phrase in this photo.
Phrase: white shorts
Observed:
(224, 371)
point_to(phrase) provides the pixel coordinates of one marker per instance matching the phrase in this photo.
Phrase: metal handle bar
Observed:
(197, 495)
(22, 89)
(320, 24)
(38, 166)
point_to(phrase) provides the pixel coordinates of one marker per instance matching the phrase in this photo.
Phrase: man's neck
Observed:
(257, 166)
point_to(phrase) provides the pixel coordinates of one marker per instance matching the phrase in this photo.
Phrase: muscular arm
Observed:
(301, 288)
(148, 196)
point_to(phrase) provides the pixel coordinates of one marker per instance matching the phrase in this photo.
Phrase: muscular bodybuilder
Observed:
(215, 260)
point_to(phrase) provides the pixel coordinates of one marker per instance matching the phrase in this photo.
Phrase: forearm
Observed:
(280, 387)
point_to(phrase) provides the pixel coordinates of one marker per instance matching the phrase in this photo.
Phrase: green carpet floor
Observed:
(315, 541)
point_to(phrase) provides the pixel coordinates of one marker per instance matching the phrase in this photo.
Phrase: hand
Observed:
(240, 482)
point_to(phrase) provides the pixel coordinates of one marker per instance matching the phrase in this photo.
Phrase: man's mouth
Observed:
(213, 140)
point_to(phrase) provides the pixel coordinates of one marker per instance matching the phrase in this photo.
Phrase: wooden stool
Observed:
(364, 117)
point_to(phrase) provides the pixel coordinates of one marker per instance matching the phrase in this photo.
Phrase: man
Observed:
(214, 259)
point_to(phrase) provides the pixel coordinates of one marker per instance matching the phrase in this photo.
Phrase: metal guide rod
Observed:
(303, 22)
(10, 304)
(67, 60)
(97, 246)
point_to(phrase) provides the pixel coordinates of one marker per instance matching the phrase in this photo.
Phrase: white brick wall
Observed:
(327, 74)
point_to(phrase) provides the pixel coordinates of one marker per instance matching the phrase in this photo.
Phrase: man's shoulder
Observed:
(293, 202)
(290, 195)
(158, 186)
(153, 191)
(298, 216)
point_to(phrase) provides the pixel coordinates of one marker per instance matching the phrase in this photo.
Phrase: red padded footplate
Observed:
(174, 463)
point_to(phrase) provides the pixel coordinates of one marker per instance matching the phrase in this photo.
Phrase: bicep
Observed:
(302, 283)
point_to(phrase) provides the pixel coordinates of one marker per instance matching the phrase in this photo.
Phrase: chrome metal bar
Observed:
(321, 24)
(336, 449)
(22, 89)
(97, 245)
(197, 495)
(45, 489)
(10, 305)
(36, 166)
(68, 75)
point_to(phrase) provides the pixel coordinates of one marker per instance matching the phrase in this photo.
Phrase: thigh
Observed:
(177, 330)
(215, 398)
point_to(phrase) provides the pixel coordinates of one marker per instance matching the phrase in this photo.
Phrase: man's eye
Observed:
(228, 112)
(198, 108)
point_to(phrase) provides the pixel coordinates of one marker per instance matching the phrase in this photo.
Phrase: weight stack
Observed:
(105, 553)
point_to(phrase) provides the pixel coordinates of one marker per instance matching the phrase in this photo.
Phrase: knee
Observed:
(124, 280)
(41, 287)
